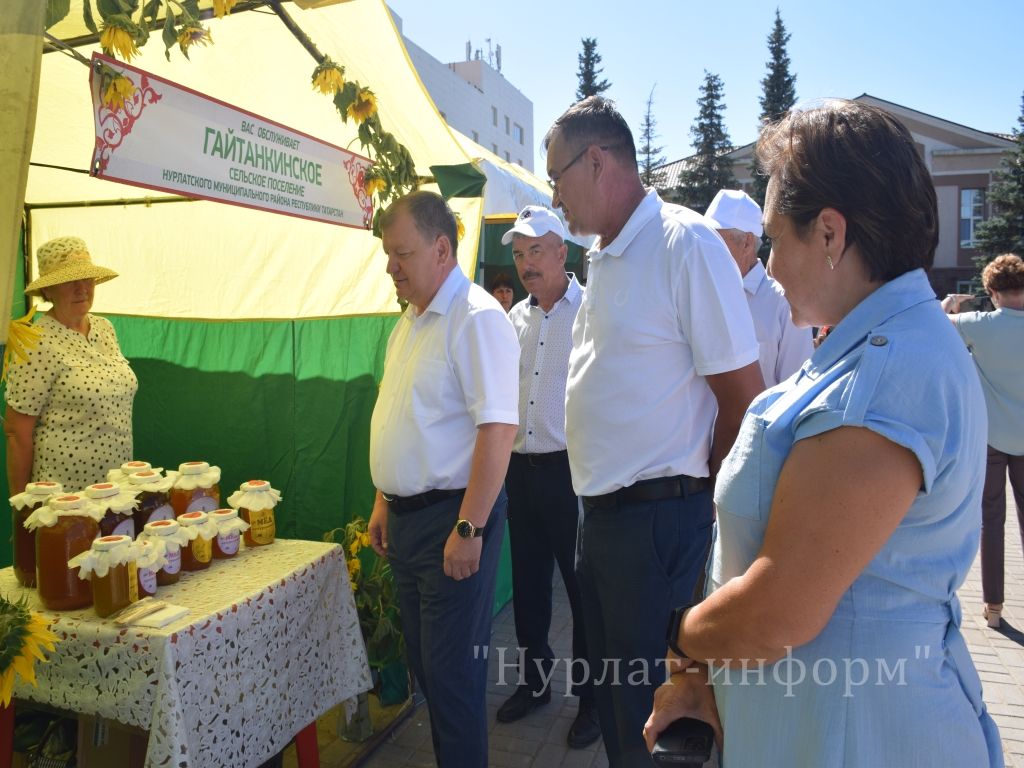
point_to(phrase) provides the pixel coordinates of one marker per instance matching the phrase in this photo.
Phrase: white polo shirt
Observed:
(664, 307)
(784, 347)
(446, 372)
(545, 341)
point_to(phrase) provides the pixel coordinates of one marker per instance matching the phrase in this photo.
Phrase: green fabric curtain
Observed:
(463, 180)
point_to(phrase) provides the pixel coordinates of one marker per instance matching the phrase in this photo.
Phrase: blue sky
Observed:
(958, 60)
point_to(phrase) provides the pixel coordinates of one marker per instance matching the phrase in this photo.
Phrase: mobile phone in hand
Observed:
(686, 741)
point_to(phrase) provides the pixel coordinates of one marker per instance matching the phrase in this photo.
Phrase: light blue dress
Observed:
(889, 681)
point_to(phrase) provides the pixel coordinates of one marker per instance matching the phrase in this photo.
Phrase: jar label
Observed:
(163, 512)
(147, 580)
(262, 525)
(133, 582)
(202, 503)
(125, 528)
(173, 555)
(228, 542)
(202, 549)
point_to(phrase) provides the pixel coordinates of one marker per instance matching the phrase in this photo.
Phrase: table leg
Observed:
(308, 752)
(6, 735)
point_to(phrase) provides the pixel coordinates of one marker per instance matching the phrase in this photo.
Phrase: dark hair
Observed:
(429, 212)
(1004, 273)
(502, 280)
(862, 162)
(594, 120)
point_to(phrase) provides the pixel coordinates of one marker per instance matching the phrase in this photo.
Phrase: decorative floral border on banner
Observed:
(117, 122)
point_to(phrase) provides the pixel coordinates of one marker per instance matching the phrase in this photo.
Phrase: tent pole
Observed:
(296, 31)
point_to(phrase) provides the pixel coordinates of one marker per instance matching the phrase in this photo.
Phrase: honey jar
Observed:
(110, 564)
(255, 501)
(117, 503)
(169, 538)
(197, 488)
(24, 504)
(201, 532)
(229, 530)
(149, 559)
(126, 470)
(154, 499)
(65, 527)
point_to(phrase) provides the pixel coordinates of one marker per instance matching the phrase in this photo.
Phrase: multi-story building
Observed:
(475, 98)
(961, 160)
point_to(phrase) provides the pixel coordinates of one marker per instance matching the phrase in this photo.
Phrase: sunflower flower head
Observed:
(21, 337)
(191, 34)
(354, 567)
(223, 7)
(119, 90)
(373, 182)
(118, 37)
(460, 228)
(23, 637)
(364, 106)
(328, 77)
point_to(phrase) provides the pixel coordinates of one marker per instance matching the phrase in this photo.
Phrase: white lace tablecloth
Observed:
(270, 643)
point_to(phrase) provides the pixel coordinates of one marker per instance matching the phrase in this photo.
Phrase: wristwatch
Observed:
(467, 530)
(675, 619)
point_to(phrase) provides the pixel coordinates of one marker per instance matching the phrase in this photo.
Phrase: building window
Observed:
(476, 137)
(517, 133)
(494, 148)
(508, 126)
(508, 157)
(972, 213)
(494, 115)
(520, 161)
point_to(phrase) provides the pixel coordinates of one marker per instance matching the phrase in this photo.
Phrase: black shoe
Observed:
(585, 729)
(521, 703)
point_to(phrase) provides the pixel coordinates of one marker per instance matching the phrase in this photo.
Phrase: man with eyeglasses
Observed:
(663, 366)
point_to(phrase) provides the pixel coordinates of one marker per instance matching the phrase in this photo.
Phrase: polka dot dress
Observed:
(82, 391)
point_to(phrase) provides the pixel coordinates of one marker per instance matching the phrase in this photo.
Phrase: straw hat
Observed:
(64, 259)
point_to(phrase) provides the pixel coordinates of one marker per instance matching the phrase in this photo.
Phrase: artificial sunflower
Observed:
(364, 106)
(373, 183)
(23, 636)
(193, 34)
(354, 567)
(460, 228)
(119, 90)
(21, 337)
(118, 38)
(223, 7)
(328, 77)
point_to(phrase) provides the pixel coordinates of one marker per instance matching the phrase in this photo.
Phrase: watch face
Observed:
(465, 529)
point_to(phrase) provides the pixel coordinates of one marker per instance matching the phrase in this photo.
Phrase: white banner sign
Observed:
(171, 138)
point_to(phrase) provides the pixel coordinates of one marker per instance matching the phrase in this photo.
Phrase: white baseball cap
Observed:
(534, 221)
(735, 209)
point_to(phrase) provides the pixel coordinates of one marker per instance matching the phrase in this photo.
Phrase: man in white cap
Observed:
(783, 346)
(542, 506)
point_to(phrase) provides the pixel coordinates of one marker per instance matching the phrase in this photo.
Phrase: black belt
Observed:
(656, 489)
(543, 459)
(402, 504)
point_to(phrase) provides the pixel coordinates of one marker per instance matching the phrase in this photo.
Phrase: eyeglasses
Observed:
(554, 182)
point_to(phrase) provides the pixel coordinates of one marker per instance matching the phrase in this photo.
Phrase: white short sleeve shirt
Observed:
(446, 372)
(783, 346)
(664, 307)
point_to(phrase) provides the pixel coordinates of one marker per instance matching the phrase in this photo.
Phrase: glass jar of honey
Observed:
(65, 527)
(197, 488)
(110, 565)
(154, 499)
(255, 501)
(229, 530)
(201, 532)
(148, 562)
(169, 538)
(126, 470)
(117, 503)
(24, 504)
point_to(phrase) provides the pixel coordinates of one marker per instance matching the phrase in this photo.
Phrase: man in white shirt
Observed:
(663, 367)
(543, 509)
(440, 438)
(783, 347)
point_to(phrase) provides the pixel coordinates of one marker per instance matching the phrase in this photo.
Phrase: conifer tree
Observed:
(710, 168)
(650, 156)
(1003, 232)
(778, 91)
(589, 71)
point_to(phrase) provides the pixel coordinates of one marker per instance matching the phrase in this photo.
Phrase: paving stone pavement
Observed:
(538, 740)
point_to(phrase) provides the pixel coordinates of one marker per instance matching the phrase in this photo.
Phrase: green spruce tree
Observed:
(778, 92)
(1003, 232)
(710, 168)
(589, 71)
(650, 156)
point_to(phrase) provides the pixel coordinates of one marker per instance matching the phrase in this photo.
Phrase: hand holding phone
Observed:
(686, 741)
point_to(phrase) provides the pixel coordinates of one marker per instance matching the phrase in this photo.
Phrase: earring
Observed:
(828, 258)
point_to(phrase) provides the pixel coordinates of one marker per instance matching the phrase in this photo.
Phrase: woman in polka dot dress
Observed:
(69, 406)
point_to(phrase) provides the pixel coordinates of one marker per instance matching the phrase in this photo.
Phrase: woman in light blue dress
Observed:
(847, 508)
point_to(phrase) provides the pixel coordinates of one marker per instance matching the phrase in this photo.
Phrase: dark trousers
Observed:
(636, 562)
(447, 625)
(993, 518)
(543, 517)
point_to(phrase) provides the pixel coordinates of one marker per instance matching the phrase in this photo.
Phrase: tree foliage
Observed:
(589, 71)
(1003, 232)
(710, 168)
(778, 91)
(649, 155)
